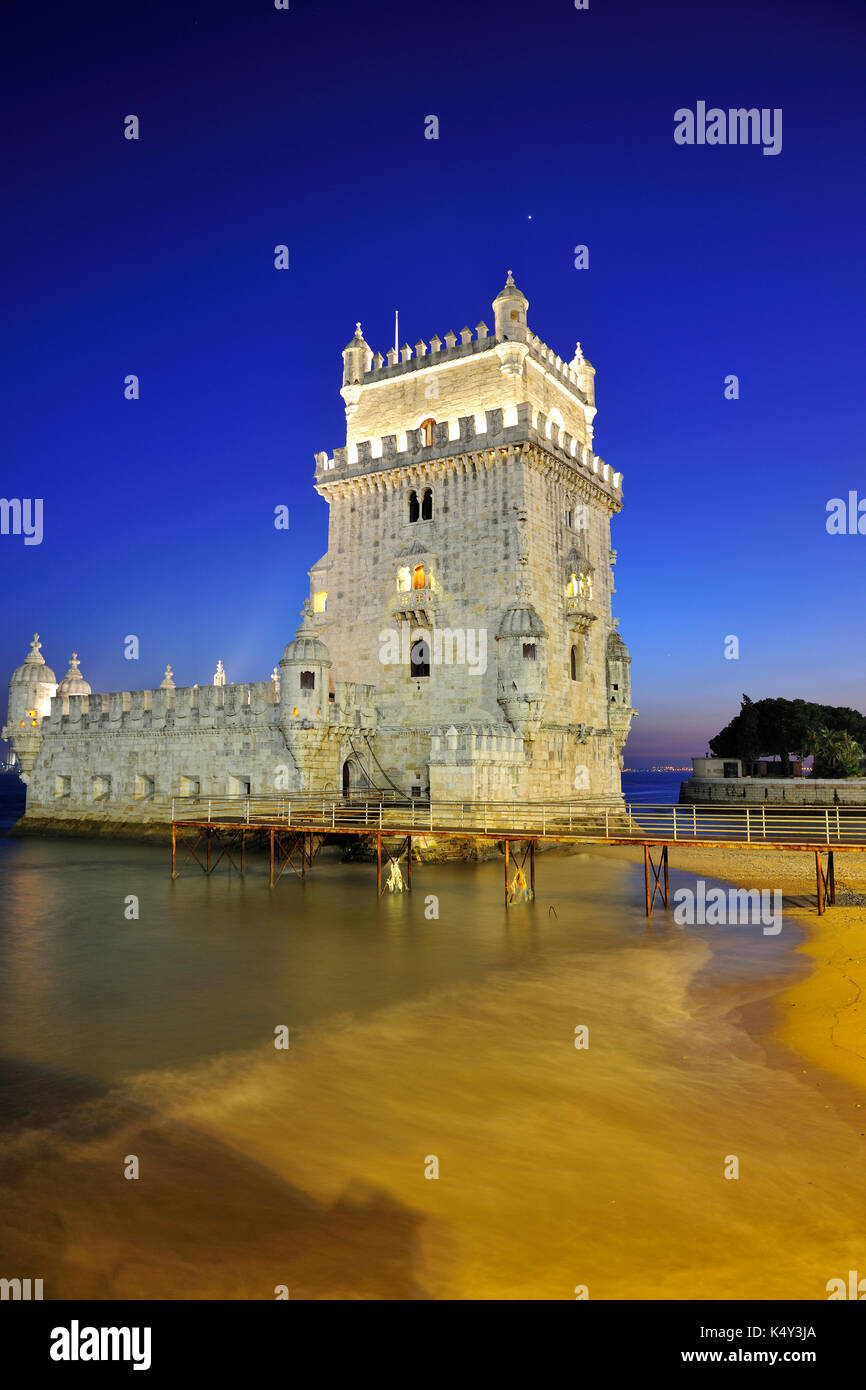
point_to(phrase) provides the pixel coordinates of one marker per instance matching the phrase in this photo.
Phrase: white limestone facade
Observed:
(458, 641)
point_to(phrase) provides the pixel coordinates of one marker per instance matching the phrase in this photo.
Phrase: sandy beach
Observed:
(822, 1017)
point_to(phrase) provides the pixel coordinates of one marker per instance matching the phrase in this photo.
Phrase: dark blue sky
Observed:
(306, 127)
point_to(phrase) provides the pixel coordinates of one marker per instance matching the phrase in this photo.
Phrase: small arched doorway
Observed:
(347, 777)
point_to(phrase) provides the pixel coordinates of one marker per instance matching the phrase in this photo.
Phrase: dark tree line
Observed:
(777, 728)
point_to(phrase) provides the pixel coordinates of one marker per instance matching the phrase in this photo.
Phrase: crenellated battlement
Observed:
(487, 429)
(204, 706)
(441, 352)
(493, 743)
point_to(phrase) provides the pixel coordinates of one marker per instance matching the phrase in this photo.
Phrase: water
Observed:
(412, 1036)
(653, 788)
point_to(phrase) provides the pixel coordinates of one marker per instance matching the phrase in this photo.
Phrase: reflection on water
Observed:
(411, 1036)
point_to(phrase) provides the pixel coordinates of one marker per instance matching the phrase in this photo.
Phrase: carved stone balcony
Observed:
(417, 606)
(579, 613)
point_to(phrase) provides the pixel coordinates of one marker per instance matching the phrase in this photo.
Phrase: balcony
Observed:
(415, 605)
(579, 614)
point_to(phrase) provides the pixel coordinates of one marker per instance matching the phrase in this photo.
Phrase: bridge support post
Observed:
(378, 866)
(173, 848)
(208, 834)
(272, 858)
(409, 862)
(825, 882)
(532, 867)
(506, 873)
(660, 882)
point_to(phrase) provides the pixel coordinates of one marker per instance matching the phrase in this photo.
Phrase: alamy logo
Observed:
(738, 907)
(737, 126)
(846, 519)
(22, 516)
(23, 1289)
(75, 1343)
(856, 1288)
(458, 646)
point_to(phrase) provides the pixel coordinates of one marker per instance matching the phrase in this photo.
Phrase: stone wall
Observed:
(771, 791)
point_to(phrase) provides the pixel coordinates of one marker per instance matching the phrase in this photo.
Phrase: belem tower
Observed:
(458, 643)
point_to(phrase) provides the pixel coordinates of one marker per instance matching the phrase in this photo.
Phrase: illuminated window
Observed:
(320, 601)
(308, 680)
(529, 651)
(419, 577)
(427, 505)
(426, 428)
(414, 509)
(579, 585)
(404, 579)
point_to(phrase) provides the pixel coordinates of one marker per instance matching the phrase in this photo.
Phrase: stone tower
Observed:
(469, 565)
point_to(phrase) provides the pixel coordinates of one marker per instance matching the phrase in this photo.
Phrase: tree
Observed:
(837, 754)
(779, 727)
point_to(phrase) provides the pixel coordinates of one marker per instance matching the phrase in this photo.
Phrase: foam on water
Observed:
(410, 1038)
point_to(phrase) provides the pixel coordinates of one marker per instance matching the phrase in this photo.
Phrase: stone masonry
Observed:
(458, 642)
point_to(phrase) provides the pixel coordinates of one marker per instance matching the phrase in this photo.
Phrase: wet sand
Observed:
(558, 1167)
(822, 1017)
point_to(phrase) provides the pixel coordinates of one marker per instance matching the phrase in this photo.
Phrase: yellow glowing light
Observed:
(294, 711)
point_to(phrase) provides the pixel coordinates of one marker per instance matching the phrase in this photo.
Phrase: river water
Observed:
(426, 1029)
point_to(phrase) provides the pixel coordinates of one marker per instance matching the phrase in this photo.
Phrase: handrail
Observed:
(637, 821)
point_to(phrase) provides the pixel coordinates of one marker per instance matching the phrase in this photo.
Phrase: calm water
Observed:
(655, 788)
(412, 1035)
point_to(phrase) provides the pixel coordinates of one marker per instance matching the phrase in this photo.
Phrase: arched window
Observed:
(419, 577)
(576, 664)
(572, 589)
(529, 651)
(308, 680)
(404, 579)
(427, 505)
(414, 509)
(420, 657)
(426, 428)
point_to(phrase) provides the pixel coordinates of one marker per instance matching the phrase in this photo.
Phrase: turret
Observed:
(620, 712)
(31, 690)
(585, 372)
(357, 360)
(522, 660)
(73, 683)
(305, 676)
(509, 308)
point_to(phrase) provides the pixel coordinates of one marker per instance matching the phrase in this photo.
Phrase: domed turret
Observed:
(73, 682)
(357, 360)
(31, 689)
(305, 673)
(33, 667)
(522, 684)
(509, 308)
